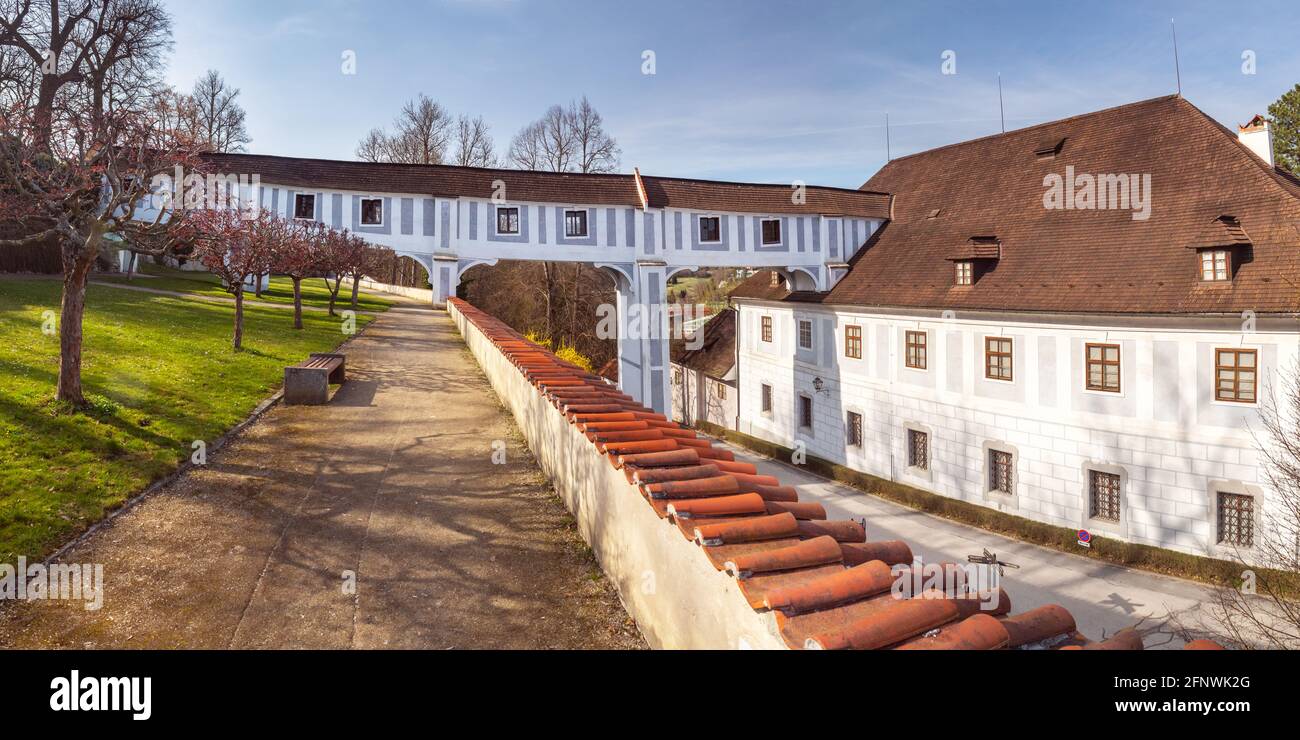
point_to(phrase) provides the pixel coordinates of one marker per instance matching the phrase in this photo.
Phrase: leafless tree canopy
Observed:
(473, 143)
(571, 139)
(219, 118)
(421, 135)
(1270, 617)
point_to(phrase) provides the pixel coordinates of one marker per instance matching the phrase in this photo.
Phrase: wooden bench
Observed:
(308, 383)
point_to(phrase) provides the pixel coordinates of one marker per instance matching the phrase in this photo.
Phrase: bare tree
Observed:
(1263, 609)
(218, 115)
(474, 147)
(421, 134)
(569, 139)
(81, 145)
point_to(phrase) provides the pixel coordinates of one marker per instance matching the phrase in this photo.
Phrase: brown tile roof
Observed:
(1083, 260)
(716, 353)
(826, 583)
(548, 187)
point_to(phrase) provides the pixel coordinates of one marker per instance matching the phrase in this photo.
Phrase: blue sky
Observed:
(769, 91)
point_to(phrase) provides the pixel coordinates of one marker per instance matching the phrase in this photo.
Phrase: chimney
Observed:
(1257, 135)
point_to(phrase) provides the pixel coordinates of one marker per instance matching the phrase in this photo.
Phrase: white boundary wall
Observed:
(678, 599)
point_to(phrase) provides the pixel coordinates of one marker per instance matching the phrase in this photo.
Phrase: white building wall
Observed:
(695, 397)
(1172, 443)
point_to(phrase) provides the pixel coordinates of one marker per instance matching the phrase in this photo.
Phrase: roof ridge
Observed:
(1281, 183)
(706, 181)
(416, 165)
(987, 137)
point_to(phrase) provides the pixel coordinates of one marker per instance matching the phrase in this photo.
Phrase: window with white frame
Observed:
(1002, 472)
(575, 223)
(1216, 265)
(771, 231)
(304, 206)
(710, 229)
(507, 220)
(805, 334)
(372, 211)
(965, 273)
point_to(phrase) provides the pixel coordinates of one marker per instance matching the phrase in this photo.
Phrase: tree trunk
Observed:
(334, 291)
(356, 282)
(239, 315)
(74, 307)
(297, 303)
(257, 286)
(130, 266)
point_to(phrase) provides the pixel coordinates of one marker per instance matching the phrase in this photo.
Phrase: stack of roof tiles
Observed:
(827, 585)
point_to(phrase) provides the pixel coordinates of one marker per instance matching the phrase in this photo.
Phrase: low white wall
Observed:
(666, 583)
(419, 294)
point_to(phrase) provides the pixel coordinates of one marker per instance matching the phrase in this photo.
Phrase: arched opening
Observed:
(398, 269)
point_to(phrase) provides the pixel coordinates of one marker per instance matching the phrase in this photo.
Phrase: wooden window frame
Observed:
(700, 229)
(964, 272)
(361, 215)
(853, 341)
(916, 350)
(506, 211)
(1214, 255)
(853, 429)
(719, 391)
(765, 398)
(763, 237)
(765, 328)
(1103, 363)
(296, 209)
(1102, 488)
(990, 353)
(1237, 370)
(569, 213)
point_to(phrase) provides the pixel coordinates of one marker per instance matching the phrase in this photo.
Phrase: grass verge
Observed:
(159, 373)
(314, 292)
(1132, 555)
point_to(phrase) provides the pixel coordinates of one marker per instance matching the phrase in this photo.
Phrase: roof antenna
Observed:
(1178, 73)
(1001, 112)
(888, 157)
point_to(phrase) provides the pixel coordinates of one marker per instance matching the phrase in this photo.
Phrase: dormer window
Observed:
(974, 258)
(1216, 265)
(965, 272)
(776, 279)
(1220, 247)
(1049, 149)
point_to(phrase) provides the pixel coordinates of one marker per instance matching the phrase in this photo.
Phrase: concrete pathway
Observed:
(392, 487)
(1103, 598)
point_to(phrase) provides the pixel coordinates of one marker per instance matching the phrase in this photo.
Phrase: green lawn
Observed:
(314, 292)
(161, 374)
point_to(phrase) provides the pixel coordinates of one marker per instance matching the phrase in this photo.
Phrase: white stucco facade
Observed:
(1172, 444)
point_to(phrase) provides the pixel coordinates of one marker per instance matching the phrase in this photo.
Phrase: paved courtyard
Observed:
(391, 486)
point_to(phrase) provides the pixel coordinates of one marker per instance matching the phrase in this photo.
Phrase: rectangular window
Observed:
(372, 212)
(916, 350)
(771, 231)
(805, 412)
(1001, 475)
(720, 390)
(853, 342)
(1215, 265)
(965, 273)
(767, 328)
(710, 229)
(507, 220)
(854, 430)
(805, 334)
(304, 206)
(918, 449)
(1104, 498)
(677, 377)
(767, 398)
(1236, 520)
(1103, 367)
(1234, 375)
(997, 358)
(575, 223)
